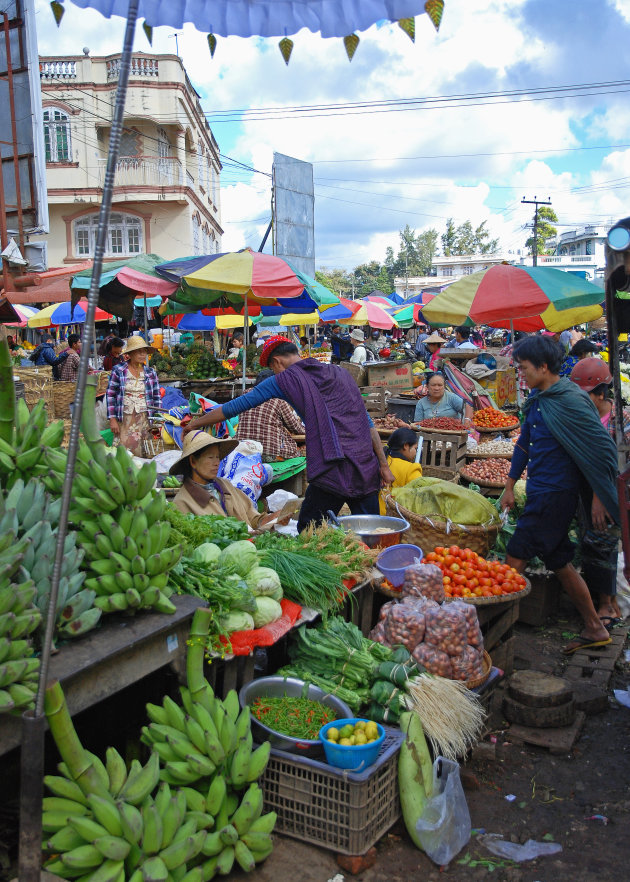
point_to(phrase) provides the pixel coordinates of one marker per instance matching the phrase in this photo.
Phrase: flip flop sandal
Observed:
(584, 643)
(610, 622)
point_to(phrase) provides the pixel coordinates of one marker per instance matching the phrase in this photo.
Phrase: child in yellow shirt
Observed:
(401, 453)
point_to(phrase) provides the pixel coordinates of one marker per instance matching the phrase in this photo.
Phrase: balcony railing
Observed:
(565, 258)
(147, 171)
(140, 67)
(58, 70)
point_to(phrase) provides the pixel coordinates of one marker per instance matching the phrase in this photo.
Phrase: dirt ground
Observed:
(557, 797)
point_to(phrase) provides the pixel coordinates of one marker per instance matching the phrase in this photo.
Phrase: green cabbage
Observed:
(240, 556)
(207, 553)
(520, 494)
(242, 598)
(267, 611)
(264, 581)
(238, 621)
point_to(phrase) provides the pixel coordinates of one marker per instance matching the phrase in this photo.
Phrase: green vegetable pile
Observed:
(337, 658)
(193, 530)
(296, 717)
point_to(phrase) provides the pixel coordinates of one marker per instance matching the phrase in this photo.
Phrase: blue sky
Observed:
(376, 172)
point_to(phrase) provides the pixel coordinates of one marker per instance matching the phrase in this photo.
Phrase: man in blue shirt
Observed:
(568, 454)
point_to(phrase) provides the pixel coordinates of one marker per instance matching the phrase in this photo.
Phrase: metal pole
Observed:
(245, 337)
(27, 867)
(146, 320)
(14, 134)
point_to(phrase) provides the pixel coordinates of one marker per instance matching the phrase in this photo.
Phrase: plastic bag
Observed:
(433, 659)
(244, 468)
(404, 625)
(444, 828)
(474, 636)
(425, 580)
(446, 629)
(529, 851)
(468, 665)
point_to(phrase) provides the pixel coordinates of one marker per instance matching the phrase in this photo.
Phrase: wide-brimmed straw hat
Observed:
(133, 344)
(357, 334)
(434, 338)
(198, 440)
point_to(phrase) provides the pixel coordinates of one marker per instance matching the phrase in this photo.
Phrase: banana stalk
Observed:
(7, 393)
(199, 628)
(79, 764)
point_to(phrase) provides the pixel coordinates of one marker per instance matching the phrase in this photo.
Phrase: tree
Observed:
(464, 239)
(483, 243)
(546, 218)
(337, 280)
(426, 246)
(449, 238)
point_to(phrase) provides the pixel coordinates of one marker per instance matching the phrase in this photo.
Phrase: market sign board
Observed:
(294, 212)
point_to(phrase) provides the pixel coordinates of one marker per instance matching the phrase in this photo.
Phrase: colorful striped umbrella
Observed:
(504, 294)
(63, 314)
(24, 312)
(364, 312)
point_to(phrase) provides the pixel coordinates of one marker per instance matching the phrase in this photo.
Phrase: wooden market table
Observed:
(123, 650)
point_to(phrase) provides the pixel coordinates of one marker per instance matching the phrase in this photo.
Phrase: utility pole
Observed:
(535, 201)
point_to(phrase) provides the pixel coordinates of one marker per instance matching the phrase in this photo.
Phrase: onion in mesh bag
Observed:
(468, 665)
(405, 626)
(446, 628)
(377, 634)
(433, 659)
(474, 637)
(424, 579)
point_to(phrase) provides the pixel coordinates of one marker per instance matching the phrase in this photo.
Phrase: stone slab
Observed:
(557, 741)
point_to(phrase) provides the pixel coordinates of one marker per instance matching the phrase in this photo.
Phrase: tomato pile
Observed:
(467, 574)
(449, 423)
(490, 418)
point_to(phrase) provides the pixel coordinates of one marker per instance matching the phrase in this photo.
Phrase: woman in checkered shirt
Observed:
(133, 393)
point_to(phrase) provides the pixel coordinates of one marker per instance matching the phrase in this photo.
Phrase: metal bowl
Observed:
(364, 526)
(272, 687)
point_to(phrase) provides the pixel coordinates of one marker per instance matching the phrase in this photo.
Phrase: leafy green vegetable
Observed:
(207, 553)
(268, 610)
(241, 556)
(264, 581)
(197, 529)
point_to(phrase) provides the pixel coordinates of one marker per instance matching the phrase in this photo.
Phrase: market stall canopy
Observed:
(65, 314)
(505, 294)
(203, 321)
(122, 281)
(24, 313)
(364, 312)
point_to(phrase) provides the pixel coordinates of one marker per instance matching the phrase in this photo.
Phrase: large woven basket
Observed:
(428, 532)
(38, 383)
(429, 471)
(63, 394)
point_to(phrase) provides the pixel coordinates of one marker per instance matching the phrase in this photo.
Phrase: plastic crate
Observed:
(344, 811)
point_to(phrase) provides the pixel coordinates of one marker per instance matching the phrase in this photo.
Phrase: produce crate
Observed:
(444, 453)
(343, 811)
(230, 672)
(497, 626)
(501, 385)
(394, 375)
(356, 371)
(403, 408)
(542, 601)
(375, 400)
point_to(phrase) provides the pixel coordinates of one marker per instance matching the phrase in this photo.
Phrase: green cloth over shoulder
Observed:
(573, 420)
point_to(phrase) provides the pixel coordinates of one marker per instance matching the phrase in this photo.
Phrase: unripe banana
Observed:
(113, 847)
(106, 814)
(244, 857)
(117, 774)
(225, 860)
(154, 870)
(64, 840)
(130, 821)
(85, 857)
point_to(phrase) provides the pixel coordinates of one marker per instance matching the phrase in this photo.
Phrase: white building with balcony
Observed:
(167, 184)
(447, 270)
(580, 251)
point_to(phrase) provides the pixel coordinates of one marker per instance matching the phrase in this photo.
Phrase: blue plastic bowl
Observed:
(392, 562)
(345, 756)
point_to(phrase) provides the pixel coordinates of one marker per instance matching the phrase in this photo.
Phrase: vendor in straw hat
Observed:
(433, 343)
(344, 455)
(202, 492)
(133, 394)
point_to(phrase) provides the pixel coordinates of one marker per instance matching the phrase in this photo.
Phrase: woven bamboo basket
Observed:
(38, 383)
(63, 395)
(429, 471)
(103, 380)
(497, 430)
(474, 682)
(500, 598)
(428, 532)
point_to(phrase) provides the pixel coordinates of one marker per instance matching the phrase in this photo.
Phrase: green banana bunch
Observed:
(19, 617)
(21, 458)
(35, 516)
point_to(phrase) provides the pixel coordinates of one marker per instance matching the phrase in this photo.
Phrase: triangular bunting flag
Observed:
(434, 9)
(286, 47)
(148, 30)
(409, 27)
(351, 42)
(58, 11)
(212, 44)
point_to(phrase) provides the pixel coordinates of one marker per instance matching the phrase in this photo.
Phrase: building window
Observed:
(130, 143)
(468, 270)
(124, 235)
(196, 230)
(215, 176)
(447, 270)
(57, 135)
(200, 165)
